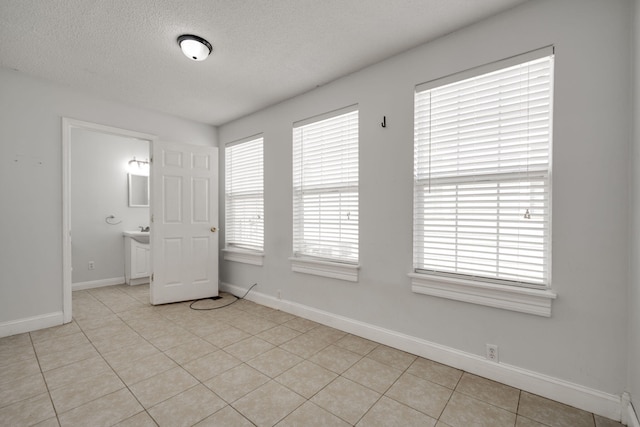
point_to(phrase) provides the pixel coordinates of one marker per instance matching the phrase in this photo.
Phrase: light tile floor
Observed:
(124, 362)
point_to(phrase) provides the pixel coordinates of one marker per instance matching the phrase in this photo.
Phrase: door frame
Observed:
(68, 124)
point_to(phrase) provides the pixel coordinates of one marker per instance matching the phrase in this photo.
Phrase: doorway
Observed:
(71, 127)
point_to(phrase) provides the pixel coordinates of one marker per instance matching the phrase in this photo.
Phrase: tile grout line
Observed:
(114, 371)
(53, 406)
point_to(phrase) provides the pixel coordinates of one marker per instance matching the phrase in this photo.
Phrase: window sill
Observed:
(524, 300)
(335, 270)
(243, 256)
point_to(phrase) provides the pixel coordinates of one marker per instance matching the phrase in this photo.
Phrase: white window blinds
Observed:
(325, 187)
(482, 171)
(244, 195)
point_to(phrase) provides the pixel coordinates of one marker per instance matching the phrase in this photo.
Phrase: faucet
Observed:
(143, 229)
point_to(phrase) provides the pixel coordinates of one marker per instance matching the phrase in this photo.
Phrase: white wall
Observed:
(582, 341)
(99, 188)
(31, 188)
(634, 282)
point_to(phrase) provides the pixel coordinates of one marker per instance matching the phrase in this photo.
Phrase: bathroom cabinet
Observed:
(137, 262)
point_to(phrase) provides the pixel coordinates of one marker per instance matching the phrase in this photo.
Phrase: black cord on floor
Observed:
(222, 306)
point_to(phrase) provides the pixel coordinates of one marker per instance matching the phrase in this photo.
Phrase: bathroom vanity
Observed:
(137, 259)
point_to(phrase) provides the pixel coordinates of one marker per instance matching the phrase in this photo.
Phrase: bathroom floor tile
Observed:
(174, 339)
(274, 362)
(372, 374)
(59, 344)
(144, 368)
(27, 412)
(106, 411)
(226, 417)
(306, 378)
(310, 415)
(54, 332)
(268, 404)
(463, 411)
(278, 335)
(15, 353)
(304, 345)
(300, 324)
(336, 359)
(85, 390)
(497, 394)
(19, 369)
(187, 408)
(49, 361)
(249, 348)
(526, 422)
(141, 419)
(552, 413)
(424, 396)
(390, 356)
(159, 388)
(70, 374)
(387, 412)
(605, 422)
(226, 336)
(346, 399)
(243, 365)
(252, 324)
(237, 382)
(22, 388)
(15, 341)
(191, 350)
(125, 357)
(211, 365)
(435, 372)
(356, 344)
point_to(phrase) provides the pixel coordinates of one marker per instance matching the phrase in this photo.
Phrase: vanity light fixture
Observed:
(194, 47)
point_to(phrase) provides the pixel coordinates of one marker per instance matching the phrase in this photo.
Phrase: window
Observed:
(482, 145)
(244, 200)
(325, 191)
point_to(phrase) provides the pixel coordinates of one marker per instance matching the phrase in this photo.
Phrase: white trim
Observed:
(67, 125)
(588, 399)
(246, 257)
(29, 324)
(515, 298)
(79, 286)
(632, 417)
(629, 416)
(326, 116)
(335, 270)
(486, 68)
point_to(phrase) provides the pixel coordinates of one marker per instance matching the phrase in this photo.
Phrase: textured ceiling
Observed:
(265, 51)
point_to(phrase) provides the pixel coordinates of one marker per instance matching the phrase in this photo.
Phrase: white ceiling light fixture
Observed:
(194, 47)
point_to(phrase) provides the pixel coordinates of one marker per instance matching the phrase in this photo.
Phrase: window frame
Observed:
(308, 262)
(242, 251)
(495, 292)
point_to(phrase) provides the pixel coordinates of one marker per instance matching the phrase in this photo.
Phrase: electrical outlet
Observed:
(279, 294)
(492, 352)
(91, 265)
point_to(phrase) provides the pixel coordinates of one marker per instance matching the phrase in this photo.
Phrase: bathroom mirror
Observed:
(138, 191)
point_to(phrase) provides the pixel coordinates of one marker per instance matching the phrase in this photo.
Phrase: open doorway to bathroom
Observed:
(105, 194)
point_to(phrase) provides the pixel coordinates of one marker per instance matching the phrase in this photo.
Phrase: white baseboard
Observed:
(29, 324)
(80, 286)
(588, 399)
(629, 415)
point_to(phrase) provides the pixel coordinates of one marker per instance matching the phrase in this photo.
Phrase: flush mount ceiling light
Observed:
(194, 47)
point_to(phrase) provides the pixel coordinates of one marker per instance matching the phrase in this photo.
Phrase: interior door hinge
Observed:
(152, 277)
(151, 218)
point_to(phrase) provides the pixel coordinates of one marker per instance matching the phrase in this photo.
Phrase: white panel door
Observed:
(184, 209)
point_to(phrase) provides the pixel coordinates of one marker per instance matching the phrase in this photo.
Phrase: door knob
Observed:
(213, 229)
